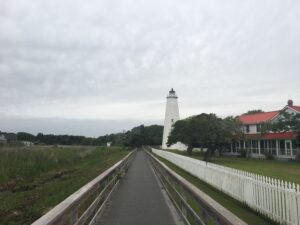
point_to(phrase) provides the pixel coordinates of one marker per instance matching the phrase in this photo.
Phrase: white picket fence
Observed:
(276, 199)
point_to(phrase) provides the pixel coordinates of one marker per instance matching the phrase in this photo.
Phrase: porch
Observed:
(279, 148)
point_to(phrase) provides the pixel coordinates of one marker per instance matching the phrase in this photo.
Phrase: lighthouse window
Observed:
(172, 120)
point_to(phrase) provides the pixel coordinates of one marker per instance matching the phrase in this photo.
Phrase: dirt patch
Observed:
(11, 184)
(19, 185)
(22, 188)
(56, 176)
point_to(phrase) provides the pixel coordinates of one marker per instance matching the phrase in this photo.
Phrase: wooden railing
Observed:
(86, 204)
(194, 206)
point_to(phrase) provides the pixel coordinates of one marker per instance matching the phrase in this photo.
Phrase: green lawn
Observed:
(34, 180)
(284, 170)
(239, 209)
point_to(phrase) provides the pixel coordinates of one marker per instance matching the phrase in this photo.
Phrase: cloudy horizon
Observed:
(106, 66)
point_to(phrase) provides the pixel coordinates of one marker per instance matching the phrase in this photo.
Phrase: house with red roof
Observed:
(279, 144)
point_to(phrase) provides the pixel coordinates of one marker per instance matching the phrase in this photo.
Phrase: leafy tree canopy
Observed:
(254, 111)
(137, 136)
(144, 135)
(204, 130)
(286, 122)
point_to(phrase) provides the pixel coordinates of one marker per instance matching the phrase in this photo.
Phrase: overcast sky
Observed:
(96, 67)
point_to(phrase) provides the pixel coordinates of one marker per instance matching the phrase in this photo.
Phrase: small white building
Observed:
(108, 144)
(3, 139)
(27, 143)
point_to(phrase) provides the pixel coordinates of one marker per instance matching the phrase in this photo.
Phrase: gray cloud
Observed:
(117, 59)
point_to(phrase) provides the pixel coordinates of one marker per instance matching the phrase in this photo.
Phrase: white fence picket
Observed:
(278, 200)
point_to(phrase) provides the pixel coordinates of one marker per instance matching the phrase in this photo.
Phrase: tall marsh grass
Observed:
(16, 162)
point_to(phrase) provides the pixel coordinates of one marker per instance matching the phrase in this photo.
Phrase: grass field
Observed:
(239, 209)
(284, 170)
(33, 180)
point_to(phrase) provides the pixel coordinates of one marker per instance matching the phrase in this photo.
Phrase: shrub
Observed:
(245, 153)
(297, 158)
(269, 155)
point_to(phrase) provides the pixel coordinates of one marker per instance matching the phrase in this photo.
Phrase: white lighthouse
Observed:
(171, 116)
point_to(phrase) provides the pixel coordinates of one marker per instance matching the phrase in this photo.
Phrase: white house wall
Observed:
(252, 129)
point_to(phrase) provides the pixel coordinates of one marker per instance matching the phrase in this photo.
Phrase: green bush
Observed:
(245, 153)
(297, 158)
(269, 155)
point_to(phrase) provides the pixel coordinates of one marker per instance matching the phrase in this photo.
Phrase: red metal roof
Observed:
(297, 108)
(282, 135)
(258, 117)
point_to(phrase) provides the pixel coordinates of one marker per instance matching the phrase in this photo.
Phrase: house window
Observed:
(247, 128)
(258, 128)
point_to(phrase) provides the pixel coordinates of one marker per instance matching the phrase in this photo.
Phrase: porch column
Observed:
(231, 147)
(251, 146)
(277, 148)
(244, 145)
(258, 143)
(285, 148)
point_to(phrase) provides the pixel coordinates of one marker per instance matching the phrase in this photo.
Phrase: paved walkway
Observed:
(138, 200)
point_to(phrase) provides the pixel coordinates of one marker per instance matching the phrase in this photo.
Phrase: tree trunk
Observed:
(207, 154)
(189, 150)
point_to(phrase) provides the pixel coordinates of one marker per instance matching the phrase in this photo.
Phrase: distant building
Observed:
(108, 144)
(279, 144)
(27, 143)
(2, 139)
(10, 137)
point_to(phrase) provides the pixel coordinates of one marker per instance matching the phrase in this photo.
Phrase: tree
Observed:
(204, 130)
(137, 136)
(153, 134)
(23, 136)
(254, 111)
(144, 135)
(286, 122)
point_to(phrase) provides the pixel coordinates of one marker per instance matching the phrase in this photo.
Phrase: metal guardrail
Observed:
(194, 206)
(85, 205)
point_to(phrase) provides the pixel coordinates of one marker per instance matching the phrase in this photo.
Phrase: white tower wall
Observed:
(171, 116)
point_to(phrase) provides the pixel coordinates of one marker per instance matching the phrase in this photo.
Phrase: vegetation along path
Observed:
(33, 180)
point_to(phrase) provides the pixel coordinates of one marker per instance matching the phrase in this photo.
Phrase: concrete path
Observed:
(138, 200)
